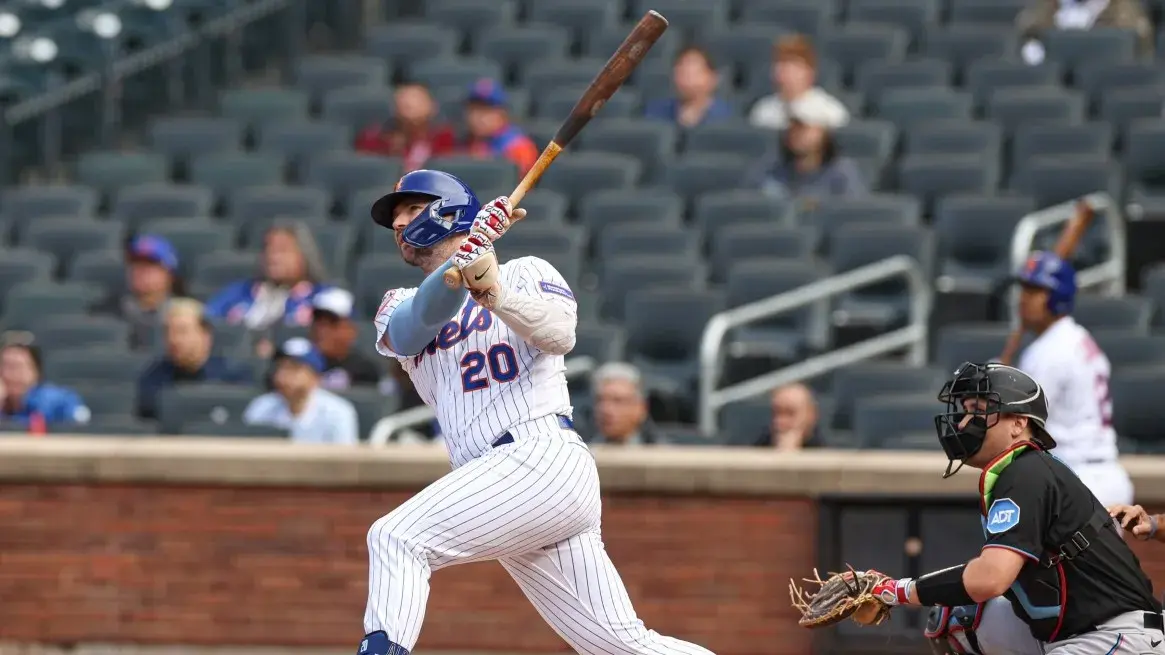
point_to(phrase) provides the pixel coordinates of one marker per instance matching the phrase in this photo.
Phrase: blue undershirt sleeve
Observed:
(417, 320)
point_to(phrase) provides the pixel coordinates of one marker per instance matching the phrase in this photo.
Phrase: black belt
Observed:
(1154, 621)
(564, 422)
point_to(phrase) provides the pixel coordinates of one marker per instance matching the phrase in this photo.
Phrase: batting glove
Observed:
(893, 592)
(495, 218)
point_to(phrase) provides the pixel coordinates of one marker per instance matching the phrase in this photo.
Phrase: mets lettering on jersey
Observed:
(1003, 516)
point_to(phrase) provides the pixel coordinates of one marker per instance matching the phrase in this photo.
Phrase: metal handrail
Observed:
(914, 336)
(1110, 274)
(387, 427)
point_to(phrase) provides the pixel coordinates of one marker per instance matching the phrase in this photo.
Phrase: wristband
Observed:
(1152, 525)
(943, 587)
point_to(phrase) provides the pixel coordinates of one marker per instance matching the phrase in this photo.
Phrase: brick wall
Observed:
(288, 567)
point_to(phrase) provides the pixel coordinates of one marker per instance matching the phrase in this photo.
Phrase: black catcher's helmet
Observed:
(1006, 390)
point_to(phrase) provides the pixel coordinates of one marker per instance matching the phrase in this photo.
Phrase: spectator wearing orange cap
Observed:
(794, 76)
(491, 134)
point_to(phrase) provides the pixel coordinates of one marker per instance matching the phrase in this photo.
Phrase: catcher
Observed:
(1051, 550)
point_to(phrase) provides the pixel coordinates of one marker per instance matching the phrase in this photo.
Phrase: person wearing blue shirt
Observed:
(695, 103)
(189, 357)
(299, 405)
(26, 399)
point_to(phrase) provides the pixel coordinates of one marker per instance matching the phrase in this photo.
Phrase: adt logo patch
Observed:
(1003, 516)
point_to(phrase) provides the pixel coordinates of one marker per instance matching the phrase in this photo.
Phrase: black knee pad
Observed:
(377, 643)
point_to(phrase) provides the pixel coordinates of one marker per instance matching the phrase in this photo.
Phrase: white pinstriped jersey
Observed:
(479, 376)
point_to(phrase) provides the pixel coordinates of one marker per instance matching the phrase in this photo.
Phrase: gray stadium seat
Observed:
(1054, 179)
(759, 240)
(716, 209)
(1073, 47)
(252, 230)
(235, 429)
(1123, 106)
(225, 173)
(1136, 405)
(1101, 77)
(371, 406)
(545, 205)
(734, 137)
(459, 72)
(1130, 347)
(785, 336)
(985, 76)
(405, 42)
(867, 138)
(255, 107)
(1038, 140)
(582, 173)
(65, 238)
(913, 15)
(883, 304)
(513, 47)
(138, 203)
(181, 138)
(875, 78)
(342, 174)
(470, 16)
(375, 275)
(696, 174)
(55, 333)
(21, 205)
(113, 425)
(969, 343)
(852, 44)
(187, 403)
(687, 17)
(664, 328)
(297, 141)
(622, 106)
(103, 268)
(745, 423)
(1153, 287)
(742, 45)
(874, 379)
(107, 404)
(875, 209)
(215, 270)
(651, 142)
(482, 175)
(545, 241)
(191, 237)
(642, 236)
(586, 18)
(974, 237)
(964, 44)
(622, 276)
(614, 207)
(931, 177)
(318, 74)
(33, 302)
(109, 172)
(95, 366)
(267, 202)
(604, 342)
(979, 138)
(1126, 312)
(910, 109)
(357, 106)
(543, 78)
(1013, 107)
(20, 265)
(883, 418)
(809, 17)
(995, 12)
(1144, 159)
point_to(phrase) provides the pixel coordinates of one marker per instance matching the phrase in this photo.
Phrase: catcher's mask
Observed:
(1001, 390)
(951, 630)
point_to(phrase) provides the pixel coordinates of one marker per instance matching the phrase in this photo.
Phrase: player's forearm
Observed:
(418, 319)
(544, 324)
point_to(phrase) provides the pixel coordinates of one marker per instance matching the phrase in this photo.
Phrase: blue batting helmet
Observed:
(1045, 270)
(451, 210)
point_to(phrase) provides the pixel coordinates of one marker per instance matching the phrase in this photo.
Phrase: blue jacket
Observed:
(162, 374)
(52, 403)
(234, 301)
(668, 109)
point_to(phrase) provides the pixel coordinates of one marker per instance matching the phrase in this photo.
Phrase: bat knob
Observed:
(452, 278)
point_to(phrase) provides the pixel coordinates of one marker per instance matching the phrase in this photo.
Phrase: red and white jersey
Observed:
(479, 376)
(1074, 373)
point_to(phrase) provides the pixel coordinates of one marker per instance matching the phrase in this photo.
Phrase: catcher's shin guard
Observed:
(951, 630)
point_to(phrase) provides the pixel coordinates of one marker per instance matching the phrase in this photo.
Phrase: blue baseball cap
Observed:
(487, 92)
(302, 351)
(154, 248)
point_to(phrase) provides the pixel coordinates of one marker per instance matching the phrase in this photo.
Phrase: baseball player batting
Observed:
(524, 489)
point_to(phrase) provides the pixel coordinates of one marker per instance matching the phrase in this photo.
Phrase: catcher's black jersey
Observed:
(1036, 506)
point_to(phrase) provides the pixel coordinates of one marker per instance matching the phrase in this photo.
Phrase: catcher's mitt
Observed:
(838, 597)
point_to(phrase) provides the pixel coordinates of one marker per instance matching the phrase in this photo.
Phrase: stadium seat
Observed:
(1054, 179)
(181, 138)
(969, 343)
(59, 332)
(225, 173)
(319, 74)
(784, 336)
(624, 105)
(1130, 346)
(470, 16)
(963, 44)
(252, 230)
(740, 46)
(234, 429)
(836, 213)
(874, 379)
(1014, 107)
(95, 366)
(135, 204)
(370, 406)
(585, 18)
(457, 72)
(1096, 44)
(33, 302)
(21, 265)
(583, 173)
(546, 205)
(873, 138)
(336, 242)
(973, 236)
(215, 270)
(1136, 405)
(65, 238)
(116, 425)
(664, 328)
(103, 268)
(1125, 312)
(881, 419)
(343, 174)
(562, 246)
(884, 304)
(915, 16)
(406, 42)
(297, 142)
(1122, 107)
(191, 237)
(810, 17)
(375, 275)
(985, 76)
(107, 404)
(642, 236)
(514, 47)
(651, 142)
(544, 78)
(358, 106)
(1144, 161)
(109, 172)
(1040, 140)
(852, 44)
(930, 177)
(874, 78)
(695, 174)
(746, 423)
(603, 342)
(758, 240)
(622, 276)
(256, 107)
(912, 108)
(716, 210)
(188, 403)
(998, 13)
(734, 137)
(267, 202)
(484, 176)
(1098, 78)
(614, 207)
(979, 138)
(22, 205)
(687, 17)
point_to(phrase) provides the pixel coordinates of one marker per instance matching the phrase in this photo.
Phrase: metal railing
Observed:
(388, 427)
(913, 336)
(1110, 274)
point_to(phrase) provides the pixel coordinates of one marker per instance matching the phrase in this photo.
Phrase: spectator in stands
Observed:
(298, 404)
(291, 273)
(27, 400)
(189, 356)
(695, 79)
(794, 76)
(151, 280)
(621, 416)
(334, 333)
(1047, 15)
(794, 422)
(491, 134)
(807, 165)
(413, 133)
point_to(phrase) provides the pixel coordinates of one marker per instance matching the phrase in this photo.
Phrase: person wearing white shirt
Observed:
(299, 405)
(794, 75)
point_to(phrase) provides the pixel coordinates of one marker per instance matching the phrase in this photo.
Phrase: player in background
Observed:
(1074, 372)
(524, 489)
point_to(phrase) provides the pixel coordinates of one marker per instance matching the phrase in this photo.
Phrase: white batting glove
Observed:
(495, 218)
(478, 263)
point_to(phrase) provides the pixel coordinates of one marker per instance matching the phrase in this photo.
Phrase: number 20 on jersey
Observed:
(499, 363)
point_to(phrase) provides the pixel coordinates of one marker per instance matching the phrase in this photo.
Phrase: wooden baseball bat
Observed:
(1065, 247)
(616, 71)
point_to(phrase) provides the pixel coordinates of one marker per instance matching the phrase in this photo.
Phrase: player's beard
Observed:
(428, 259)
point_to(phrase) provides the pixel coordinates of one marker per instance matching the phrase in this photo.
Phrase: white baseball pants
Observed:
(534, 506)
